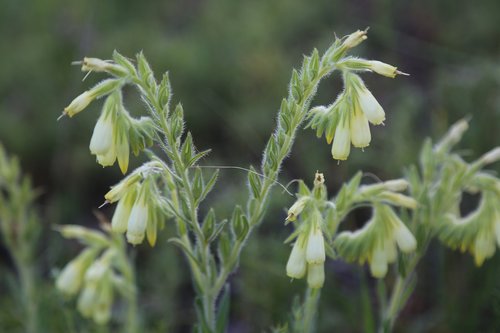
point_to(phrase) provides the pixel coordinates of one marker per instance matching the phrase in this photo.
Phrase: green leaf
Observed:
(164, 93)
(187, 150)
(224, 247)
(314, 64)
(239, 224)
(254, 182)
(209, 186)
(223, 311)
(176, 121)
(122, 61)
(208, 226)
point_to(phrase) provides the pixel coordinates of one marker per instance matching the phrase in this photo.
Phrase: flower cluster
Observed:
(346, 121)
(376, 241)
(308, 252)
(95, 273)
(116, 132)
(479, 231)
(139, 211)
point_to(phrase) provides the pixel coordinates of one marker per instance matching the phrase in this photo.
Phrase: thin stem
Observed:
(255, 216)
(311, 309)
(27, 278)
(399, 296)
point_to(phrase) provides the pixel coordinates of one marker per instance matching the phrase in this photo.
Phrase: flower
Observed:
(315, 275)
(296, 208)
(404, 238)
(119, 222)
(378, 262)
(360, 129)
(315, 251)
(296, 264)
(102, 137)
(384, 69)
(138, 219)
(370, 107)
(79, 103)
(354, 39)
(71, 277)
(342, 141)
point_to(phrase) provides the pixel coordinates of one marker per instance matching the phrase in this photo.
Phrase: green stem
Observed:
(27, 281)
(399, 296)
(311, 309)
(255, 216)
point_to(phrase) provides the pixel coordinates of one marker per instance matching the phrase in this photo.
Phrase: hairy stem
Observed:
(311, 310)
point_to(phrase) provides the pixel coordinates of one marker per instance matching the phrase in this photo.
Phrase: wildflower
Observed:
(71, 277)
(404, 238)
(342, 141)
(384, 69)
(296, 265)
(296, 208)
(376, 241)
(138, 219)
(83, 100)
(378, 262)
(315, 251)
(360, 129)
(123, 187)
(102, 137)
(370, 107)
(354, 39)
(315, 275)
(119, 222)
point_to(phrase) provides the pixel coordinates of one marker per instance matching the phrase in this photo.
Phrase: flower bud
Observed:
(342, 142)
(296, 208)
(354, 39)
(315, 275)
(491, 157)
(79, 104)
(396, 185)
(296, 264)
(390, 250)
(384, 69)
(315, 249)
(399, 199)
(99, 65)
(453, 136)
(119, 190)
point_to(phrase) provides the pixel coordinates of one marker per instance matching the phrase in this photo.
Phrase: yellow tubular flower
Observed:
(342, 141)
(296, 265)
(360, 129)
(137, 221)
(315, 275)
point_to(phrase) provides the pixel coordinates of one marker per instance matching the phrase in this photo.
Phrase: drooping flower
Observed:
(360, 129)
(296, 265)
(138, 219)
(71, 277)
(341, 146)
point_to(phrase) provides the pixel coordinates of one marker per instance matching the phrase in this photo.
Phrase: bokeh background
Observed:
(229, 63)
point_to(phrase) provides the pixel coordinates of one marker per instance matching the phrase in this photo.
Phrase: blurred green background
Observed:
(229, 63)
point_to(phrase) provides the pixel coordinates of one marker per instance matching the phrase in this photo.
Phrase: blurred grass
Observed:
(230, 63)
